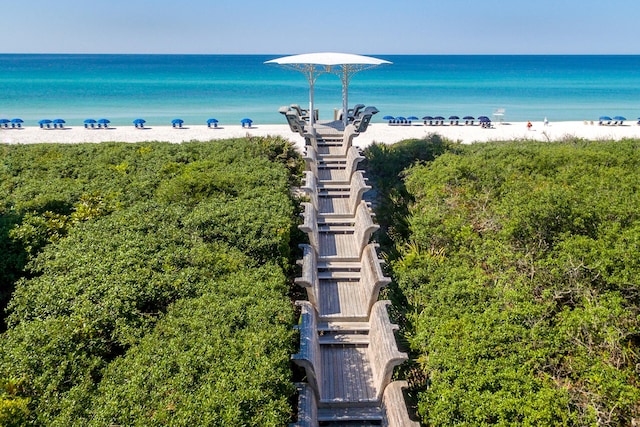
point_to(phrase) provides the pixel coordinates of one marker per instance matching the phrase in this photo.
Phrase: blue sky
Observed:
(356, 26)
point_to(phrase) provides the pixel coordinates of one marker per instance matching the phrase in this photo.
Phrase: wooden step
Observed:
(343, 326)
(371, 413)
(329, 220)
(333, 193)
(339, 275)
(334, 228)
(338, 265)
(349, 339)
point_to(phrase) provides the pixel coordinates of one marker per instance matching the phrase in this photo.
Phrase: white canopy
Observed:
(328, 59)
(344, 65)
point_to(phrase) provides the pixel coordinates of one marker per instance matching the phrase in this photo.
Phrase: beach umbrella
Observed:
(412, 118)
(177, 122)
(246, 122)
(620, 118)
(44, 122)
(605, 118)
(485, 121)
(139, 122)
(58, 122)
(454, 118)
(89, 122)
(4, 122)
(468, 118)
(388, 118)
(17, 122)
(213, 122)
(104, 123)
(344, 65)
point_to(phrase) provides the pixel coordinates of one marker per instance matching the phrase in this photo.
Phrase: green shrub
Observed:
(519, 270)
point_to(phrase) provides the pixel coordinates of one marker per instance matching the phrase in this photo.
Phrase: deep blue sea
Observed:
(194, 88)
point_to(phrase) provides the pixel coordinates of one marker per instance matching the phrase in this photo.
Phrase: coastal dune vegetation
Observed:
(516, 271)
(147, 284)
(150, 284)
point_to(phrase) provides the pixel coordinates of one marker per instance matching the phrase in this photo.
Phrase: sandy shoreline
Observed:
(378, 132)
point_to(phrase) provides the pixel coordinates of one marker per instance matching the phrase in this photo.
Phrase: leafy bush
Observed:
(520, 271)
(137, 267)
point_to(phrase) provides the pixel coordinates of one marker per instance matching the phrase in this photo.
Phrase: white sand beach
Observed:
(378, 132)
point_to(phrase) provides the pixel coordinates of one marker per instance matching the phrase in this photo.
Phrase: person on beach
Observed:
(529, 125)
(546, 122)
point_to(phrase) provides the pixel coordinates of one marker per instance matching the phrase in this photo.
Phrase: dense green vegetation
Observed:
(517, 280)
(147, 284)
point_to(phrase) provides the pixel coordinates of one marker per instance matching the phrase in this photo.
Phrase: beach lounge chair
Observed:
(368, 110)
(295, 122)
(352, 113)
(362, 123)
(304, 114)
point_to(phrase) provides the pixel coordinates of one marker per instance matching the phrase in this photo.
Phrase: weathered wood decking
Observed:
(347, 344)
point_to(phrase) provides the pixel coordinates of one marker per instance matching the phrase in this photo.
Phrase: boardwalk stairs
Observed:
(348, 349)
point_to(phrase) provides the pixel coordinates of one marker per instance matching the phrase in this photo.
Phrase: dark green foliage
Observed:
(385, 165)
(521, 275)
(235, 374)
(150, 267)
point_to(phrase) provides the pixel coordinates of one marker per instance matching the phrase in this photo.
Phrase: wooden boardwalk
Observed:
(347, 345)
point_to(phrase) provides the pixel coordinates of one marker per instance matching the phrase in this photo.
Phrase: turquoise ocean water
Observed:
(194, 88)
